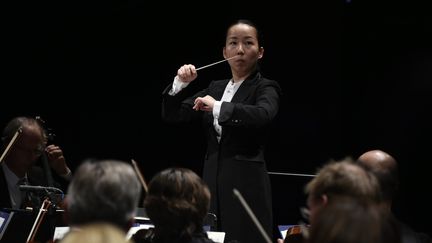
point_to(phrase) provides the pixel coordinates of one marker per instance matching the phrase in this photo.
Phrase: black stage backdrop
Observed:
(355, 74)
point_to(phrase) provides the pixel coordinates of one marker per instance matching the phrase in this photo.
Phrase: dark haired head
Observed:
(177, 203)
(246, 22)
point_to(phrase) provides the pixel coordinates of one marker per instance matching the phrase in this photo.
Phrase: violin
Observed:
(296, 234)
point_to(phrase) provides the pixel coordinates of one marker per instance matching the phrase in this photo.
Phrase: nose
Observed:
(240, 50)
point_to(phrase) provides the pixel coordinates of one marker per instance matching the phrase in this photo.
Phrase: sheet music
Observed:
(60, 232)
(135, 228)
(217, 237)
(5, 218)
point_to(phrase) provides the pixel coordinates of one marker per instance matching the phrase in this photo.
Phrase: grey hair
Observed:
(103, 191)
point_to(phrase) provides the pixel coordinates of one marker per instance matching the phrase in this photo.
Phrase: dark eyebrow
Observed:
(232, 37)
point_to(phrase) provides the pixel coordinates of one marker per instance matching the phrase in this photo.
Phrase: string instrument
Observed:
(49, 136)
(296, 234)
(49, 204)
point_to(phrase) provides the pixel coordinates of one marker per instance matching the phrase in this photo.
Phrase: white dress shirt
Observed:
(229, 93)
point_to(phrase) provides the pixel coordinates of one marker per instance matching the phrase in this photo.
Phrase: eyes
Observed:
(247, 43)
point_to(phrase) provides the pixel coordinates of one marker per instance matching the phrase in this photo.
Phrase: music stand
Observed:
(18, 225)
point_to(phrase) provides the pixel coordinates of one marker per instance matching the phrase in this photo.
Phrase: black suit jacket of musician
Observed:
(36, 177)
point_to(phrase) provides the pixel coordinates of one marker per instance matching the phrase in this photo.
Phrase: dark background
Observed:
(356, 76)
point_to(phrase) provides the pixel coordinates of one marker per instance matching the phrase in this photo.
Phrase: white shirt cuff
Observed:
(216, 109)
(177, 86)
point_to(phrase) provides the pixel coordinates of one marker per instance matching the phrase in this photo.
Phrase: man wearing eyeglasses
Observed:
(18, 166)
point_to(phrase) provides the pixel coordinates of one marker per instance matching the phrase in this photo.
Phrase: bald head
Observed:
(384, 167)
(378, 160)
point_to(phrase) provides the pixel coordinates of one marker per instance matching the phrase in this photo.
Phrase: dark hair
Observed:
(177, 202)
(250, 23)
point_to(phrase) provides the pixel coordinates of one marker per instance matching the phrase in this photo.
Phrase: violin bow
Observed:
(42, 211)
(140, 176)
(11, 143)
(249, 211)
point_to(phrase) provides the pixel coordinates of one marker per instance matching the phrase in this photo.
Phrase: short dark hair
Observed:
(177, 202)
(250, 23)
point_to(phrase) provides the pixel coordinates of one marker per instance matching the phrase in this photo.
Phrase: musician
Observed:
(237, 113)
(102, 196)
(385, 168)
(335, 180)
(177, 202)
(349, 220)
(19, 165)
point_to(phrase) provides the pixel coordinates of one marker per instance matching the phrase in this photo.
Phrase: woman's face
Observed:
(242, 40)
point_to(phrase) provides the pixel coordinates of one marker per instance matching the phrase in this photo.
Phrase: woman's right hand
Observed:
(187, 73)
